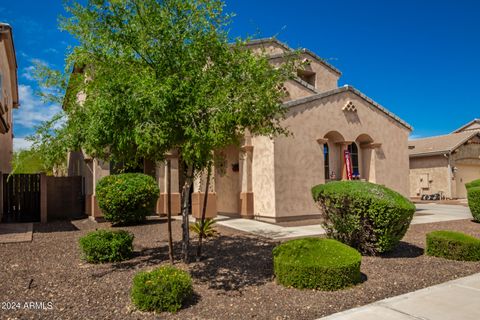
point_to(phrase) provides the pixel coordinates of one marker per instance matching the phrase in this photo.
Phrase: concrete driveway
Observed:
(432, 212)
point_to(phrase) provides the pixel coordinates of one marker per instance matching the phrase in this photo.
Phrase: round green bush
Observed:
(163, 289)
(473, 195)
(453, 245)
(366, 216)
(107, 246)
(314, 263)
(472, 184)
(127, 198)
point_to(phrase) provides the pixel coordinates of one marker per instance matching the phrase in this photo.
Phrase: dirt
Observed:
(233, 281)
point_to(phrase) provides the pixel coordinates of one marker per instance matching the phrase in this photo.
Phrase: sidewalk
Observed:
(456, 299)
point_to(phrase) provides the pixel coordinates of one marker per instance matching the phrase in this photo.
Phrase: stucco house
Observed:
(8, 102)
(8, 95)
(337, 133)
(443, 164)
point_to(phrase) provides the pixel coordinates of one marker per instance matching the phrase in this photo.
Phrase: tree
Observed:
(161, 76)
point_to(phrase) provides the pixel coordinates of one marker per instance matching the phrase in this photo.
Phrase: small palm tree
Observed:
(206, 231)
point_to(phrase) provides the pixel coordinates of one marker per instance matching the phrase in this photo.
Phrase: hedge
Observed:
(127, 198)
(163, 289)
(473, 195)
(453, 245)
(314, 263)
(363, 215)
(472, 184)
(107, 246)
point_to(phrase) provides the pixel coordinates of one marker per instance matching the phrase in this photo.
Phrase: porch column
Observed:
(246, 193)
(161, 174)
(198, 195)
(100, 169)
(369, 159)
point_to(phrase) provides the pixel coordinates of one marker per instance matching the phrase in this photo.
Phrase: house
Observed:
(443, 164)
(8, 101)
(337, 133)
(8, 95)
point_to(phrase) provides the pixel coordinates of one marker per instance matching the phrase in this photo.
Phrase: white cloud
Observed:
(32, 110)
(21, 144)
(28, 73)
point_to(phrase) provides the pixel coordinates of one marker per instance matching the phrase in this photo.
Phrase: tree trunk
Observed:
(204, 211)
(185, 222)
(169, 210)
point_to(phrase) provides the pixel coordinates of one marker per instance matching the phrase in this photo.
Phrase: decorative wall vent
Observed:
(284, 90)
(350, 107)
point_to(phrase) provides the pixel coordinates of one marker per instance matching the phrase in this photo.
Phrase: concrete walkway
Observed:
(15, 232)
(456, 299)
(426, 213)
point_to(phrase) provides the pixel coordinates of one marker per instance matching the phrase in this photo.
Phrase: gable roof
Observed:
(347, 88)
(439, 144)
(471, 123)
(290, 51)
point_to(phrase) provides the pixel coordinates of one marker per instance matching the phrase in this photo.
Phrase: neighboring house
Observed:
(270, 179)
(8, 101)
(8, 95)
(443, 164)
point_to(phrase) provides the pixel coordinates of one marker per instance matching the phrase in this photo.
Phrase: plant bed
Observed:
(163, 289)
(453, 245)
(107, 246)
(314, 263)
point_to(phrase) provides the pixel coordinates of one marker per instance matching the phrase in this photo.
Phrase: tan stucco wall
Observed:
(299, 159)
(429, 175)
(6, 140)
(325, 78)
(270, 48)
(263, 177)
(296, 90)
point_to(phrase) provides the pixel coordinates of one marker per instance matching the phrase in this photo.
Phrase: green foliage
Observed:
(163, 289)
(472, 184)
(127, 198)
(453, 245)
(29, 161)
(366, 216)
(107, 246)
(162, 75)
(473, 195)
(207, 230)
(314, 263)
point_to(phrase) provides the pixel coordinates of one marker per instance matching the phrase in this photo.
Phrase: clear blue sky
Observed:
(420, 59)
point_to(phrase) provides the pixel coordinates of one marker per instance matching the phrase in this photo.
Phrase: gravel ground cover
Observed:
(234, 281)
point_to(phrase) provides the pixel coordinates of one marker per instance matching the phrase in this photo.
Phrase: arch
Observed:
(364, 139)
(334, 136)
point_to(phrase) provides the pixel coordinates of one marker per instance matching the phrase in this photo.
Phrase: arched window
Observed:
(326, 161)
(353, 149)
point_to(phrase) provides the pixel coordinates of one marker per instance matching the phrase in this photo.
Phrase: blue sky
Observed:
(417, 58)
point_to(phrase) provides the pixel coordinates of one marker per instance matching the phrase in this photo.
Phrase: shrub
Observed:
(363, 215)
(473, 195)
(107, 246)
(453, 245)
(207, 230)
(314, 263)
(472, 184)
(127, 198)
(163, 289)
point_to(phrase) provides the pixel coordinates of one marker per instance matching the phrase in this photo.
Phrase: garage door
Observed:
(464, 175)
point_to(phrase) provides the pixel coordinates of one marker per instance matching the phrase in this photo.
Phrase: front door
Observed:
(465, 174)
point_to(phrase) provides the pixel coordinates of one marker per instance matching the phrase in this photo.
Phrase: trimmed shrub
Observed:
(127, 198)
(366, 216)
(453, 245)
(163, 289)
(473, 195)
(472, 184)
(107, 246)
(314, 263)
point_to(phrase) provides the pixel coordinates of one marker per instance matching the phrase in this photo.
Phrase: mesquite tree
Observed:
(161, 75)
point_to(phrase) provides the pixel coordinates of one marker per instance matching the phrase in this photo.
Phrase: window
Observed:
(326, 161)
(307, 76)
(353, 150)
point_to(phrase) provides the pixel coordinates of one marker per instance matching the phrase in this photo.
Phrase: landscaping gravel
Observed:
(234, 281)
